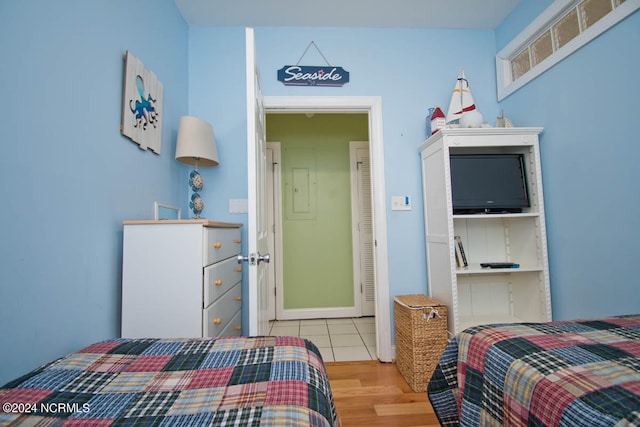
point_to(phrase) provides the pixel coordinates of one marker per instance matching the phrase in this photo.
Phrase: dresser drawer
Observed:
(234, 327)
(219, 278)
(217, 315)
(220, 243)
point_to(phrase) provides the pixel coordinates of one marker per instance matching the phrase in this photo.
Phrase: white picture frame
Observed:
(163, 212)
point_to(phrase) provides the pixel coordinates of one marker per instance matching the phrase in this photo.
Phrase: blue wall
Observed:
(588, 105)
(407, 68)
(69, 178)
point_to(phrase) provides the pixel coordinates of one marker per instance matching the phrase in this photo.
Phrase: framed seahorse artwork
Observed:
(141, 105)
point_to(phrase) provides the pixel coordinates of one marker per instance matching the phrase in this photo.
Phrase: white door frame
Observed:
(274, 202)
(373, 106)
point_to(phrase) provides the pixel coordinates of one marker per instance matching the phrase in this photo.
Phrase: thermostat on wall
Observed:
(238, 206)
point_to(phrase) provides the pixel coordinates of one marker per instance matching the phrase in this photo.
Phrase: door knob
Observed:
(254, 259)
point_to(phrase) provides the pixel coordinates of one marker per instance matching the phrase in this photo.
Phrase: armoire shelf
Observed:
(477, 269)
(476, 295)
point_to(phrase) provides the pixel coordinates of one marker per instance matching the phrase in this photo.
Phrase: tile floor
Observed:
(339, 340)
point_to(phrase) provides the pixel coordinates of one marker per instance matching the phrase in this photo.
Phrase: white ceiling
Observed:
(469, 14)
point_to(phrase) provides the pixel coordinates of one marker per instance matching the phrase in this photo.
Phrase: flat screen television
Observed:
(488, 183)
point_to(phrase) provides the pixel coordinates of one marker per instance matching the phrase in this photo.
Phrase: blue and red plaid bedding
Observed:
(580, 373)
(239, 381)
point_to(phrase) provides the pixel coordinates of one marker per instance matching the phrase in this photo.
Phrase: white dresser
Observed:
(180, 279)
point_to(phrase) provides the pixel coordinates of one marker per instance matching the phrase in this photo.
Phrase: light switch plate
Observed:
(400, 203)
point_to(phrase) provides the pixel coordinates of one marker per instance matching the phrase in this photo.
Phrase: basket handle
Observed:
(432, 314)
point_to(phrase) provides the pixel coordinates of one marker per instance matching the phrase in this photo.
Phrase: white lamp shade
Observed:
(196, 142)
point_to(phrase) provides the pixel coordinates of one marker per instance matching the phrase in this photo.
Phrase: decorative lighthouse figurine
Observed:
(437, 120)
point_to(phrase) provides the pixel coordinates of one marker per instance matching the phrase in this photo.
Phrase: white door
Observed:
(362, 228)
(258, 246)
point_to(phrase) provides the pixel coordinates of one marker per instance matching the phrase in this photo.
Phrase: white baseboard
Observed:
(318, 313)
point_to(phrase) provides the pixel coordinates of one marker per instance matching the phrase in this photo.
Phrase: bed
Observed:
(584, 372)
(235, 381)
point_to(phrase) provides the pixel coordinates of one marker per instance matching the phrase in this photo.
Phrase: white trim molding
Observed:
(373, 106)
(318, 313)
(505, 82)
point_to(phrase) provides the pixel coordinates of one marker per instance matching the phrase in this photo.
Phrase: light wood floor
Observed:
(375, 394)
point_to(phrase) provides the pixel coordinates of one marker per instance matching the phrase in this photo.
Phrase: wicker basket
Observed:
(421, 336)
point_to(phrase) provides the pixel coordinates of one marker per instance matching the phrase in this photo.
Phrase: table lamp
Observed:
(196, 146)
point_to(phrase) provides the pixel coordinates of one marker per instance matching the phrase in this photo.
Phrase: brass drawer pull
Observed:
(238, 241)
(217, 321)
(217, 245)
(239, 269)
(238, 328)
(218, 282)
(239, 298)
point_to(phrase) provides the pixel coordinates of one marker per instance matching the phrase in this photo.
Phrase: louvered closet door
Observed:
(365, 231)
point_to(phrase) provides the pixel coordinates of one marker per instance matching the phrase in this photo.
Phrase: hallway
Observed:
(339, 340)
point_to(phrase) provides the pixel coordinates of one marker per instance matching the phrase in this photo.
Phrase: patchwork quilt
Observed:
(579, 373)
(235, 381)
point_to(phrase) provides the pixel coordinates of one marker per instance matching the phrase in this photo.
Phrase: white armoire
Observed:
(475, 295)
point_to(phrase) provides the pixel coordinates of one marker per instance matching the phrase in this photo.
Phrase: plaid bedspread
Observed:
(239, 381)
(580, 373)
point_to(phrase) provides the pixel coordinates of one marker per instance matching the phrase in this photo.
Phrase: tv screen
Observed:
(488, 183)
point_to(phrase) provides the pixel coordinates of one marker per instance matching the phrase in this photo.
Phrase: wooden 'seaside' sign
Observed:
(312, 75)
(309, 75)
